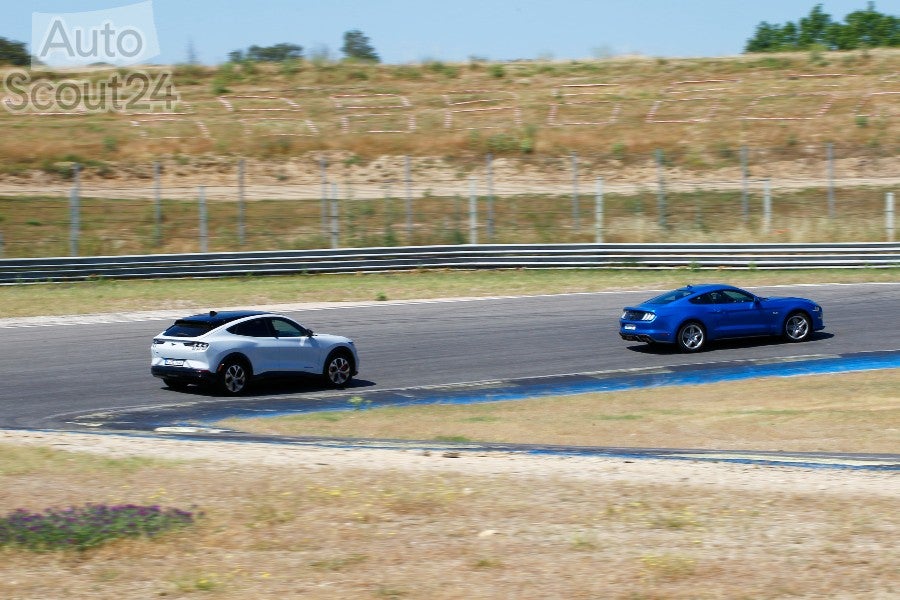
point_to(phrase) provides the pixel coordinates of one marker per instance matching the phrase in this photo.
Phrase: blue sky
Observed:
(414, 30)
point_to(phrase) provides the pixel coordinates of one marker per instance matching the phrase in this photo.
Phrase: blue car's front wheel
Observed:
(691, 337)
(797, 328)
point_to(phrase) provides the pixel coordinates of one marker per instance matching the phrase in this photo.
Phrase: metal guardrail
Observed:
(529, 256)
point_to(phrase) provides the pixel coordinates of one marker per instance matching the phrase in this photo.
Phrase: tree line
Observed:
(866, 28)
(13, 53)
(357, 46)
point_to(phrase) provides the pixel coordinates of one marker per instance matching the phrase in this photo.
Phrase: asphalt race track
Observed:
(52, 375)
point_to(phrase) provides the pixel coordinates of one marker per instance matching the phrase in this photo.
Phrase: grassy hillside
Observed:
(362, 119)
(699, 111)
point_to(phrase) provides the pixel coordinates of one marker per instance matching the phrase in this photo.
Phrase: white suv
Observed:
(231, 349)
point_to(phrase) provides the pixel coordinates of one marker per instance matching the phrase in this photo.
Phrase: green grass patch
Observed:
(481, 419)
(83, 527)
(451, 438)
(619, 417)
(18, 461)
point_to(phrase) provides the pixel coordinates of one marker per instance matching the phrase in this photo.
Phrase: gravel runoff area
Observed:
(837, 481)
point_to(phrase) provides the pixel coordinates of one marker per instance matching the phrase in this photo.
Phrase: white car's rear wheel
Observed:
(234, 377)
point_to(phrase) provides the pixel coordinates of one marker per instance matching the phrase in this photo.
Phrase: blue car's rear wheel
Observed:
(797, 327)
(691, 337)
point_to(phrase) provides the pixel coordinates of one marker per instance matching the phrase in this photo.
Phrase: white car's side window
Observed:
(286, 329)
(252, 328)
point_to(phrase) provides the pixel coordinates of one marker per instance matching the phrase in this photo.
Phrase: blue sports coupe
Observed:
(694, 315)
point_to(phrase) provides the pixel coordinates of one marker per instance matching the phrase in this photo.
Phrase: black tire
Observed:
(234, 377)
(691, 337)
(797, 327)
(174, 384)
(338, 369)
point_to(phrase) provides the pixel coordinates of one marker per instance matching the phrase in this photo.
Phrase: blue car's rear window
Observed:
(670, 296)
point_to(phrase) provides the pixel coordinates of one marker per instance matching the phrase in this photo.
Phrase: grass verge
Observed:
(321, 524)
(858, 412)
(203, 294)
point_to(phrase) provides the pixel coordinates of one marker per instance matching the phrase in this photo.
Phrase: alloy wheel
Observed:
(338, 371)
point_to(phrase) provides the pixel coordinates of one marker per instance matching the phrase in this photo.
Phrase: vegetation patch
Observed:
(83, 527)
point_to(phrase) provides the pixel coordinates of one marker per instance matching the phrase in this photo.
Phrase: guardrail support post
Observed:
(598, 212)
(830, 153)
(473, 213)
(204, 246)
(661, 196)
(889, 216)
(490, 197)
(745, 193)
(576, 210)
(335, 221)
(74, 212)
(407, 179)
(323, 169)
(241, 227)
(767, 207)
(157, 207)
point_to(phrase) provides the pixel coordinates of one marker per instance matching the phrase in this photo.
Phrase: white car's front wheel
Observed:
(338, 369)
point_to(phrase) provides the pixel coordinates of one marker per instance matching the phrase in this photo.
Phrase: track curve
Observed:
(53, 374)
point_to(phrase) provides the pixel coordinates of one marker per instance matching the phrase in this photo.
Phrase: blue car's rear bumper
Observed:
(644, 332)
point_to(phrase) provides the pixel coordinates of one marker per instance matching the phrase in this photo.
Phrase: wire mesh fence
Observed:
(822, 194)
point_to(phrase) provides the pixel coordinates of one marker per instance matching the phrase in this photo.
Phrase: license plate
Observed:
(174, 362)
(630, 328)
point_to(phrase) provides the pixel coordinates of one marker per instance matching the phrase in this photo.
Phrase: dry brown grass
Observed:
(697, 133)
(332, 531)
(857, 412)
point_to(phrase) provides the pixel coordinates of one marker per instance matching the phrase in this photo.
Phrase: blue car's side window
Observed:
(736, 296)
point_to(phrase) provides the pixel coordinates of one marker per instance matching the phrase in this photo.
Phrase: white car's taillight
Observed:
(198, 346)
